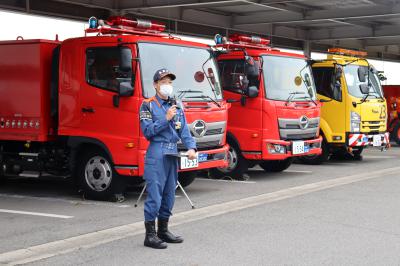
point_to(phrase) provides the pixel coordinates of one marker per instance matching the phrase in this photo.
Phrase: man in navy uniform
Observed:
(163, 124)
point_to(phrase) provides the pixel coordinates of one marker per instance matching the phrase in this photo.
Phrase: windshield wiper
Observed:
(183, 92)
(205, 97)
(309, 97)
(291, 96)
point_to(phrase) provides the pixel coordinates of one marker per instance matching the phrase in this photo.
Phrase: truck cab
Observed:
(274, 115)
(354, 110)
(84, 108)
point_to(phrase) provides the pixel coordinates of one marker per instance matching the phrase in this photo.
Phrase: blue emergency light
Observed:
(93, 23)
(218, 39)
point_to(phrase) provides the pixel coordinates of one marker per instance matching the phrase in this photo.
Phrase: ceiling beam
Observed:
(136, 5)
(320, 15)
(354, 33)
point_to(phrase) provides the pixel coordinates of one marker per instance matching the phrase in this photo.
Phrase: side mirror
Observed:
(307, 80)
(125, 89)
(252, 92)
(125, 59)
(381, 76)
(364, 88)
(362, 73)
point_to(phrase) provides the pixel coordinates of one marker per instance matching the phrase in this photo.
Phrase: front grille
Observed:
(373, 122)
(372, 126)
(289, 129)
(215, 131)
(300, 136)
(202, 145)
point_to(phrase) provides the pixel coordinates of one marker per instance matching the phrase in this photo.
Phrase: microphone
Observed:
(172, 101)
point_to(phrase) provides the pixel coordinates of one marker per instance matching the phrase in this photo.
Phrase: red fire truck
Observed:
(392, 95)
(274, 115)
(71, 108)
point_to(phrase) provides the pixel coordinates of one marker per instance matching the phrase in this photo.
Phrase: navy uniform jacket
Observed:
(156, 127)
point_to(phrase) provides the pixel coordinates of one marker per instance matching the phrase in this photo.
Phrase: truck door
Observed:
(101, 118)
(333, 112)
(244, 119)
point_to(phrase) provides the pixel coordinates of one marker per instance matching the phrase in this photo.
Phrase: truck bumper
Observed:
(378, 140)
(281, 149)
(215, 158)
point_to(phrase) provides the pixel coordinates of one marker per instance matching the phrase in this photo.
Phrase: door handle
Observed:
(87, 110)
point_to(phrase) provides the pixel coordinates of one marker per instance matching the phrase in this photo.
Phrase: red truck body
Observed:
(392, 95)
(51, 112)
(258, 124)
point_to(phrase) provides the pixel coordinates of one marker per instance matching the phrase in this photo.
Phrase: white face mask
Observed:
(166, 90)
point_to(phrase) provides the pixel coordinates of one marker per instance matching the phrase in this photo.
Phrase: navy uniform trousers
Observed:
(161, 166)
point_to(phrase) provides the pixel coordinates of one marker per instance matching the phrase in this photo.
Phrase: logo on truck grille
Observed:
(199, 128)
(303, 122)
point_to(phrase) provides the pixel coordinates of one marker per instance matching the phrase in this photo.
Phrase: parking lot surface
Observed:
(344, 212)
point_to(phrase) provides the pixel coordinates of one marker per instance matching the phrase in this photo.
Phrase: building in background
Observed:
(40, 27)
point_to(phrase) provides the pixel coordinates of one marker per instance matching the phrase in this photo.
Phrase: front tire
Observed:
(96, 176)
(317, 159)
(276, 166)
(237, 166)
(186, 178)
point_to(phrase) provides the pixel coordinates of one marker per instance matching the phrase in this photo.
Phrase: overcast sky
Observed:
(37, 27)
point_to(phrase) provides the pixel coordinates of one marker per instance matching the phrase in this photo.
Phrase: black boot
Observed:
(165, 235)
(152, 240)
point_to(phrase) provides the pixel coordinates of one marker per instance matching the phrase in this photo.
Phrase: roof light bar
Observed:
(245, 39)
(348, 52)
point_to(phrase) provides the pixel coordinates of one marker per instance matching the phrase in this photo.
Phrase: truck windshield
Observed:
(196, 72)
(288, 78)
(353, 82)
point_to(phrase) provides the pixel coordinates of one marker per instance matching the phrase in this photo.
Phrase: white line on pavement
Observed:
(37, 214)
(228, 181)
(74, 202)
(379, 157)
(89, 240)
(297, 171)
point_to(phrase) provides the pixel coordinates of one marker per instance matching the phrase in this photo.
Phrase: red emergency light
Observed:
(136, 24)
(245, 39)
(122, 25)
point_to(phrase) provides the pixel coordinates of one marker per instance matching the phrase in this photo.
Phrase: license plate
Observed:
(187, 164)
(377, 142)
(306, 148)
(203, 157)
(298, 147)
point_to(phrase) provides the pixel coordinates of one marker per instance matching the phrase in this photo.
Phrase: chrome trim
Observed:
(285, 122)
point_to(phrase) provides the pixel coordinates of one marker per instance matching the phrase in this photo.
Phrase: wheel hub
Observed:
(98, 173)
(232, 161)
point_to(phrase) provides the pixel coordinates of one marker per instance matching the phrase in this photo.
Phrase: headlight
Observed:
(276, 148)
(355, 120)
